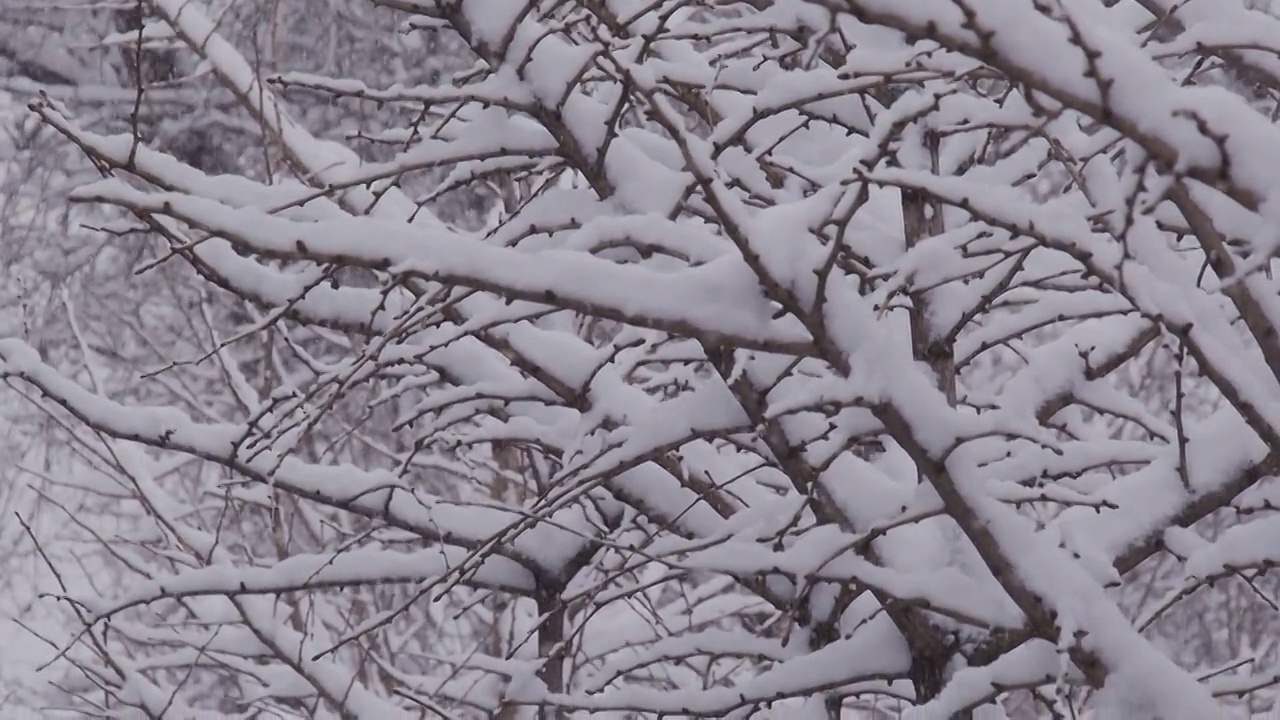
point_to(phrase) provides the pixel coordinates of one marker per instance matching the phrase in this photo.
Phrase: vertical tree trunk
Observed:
(921, 220)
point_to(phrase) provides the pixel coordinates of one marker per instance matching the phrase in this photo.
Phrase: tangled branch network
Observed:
(798, 358)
